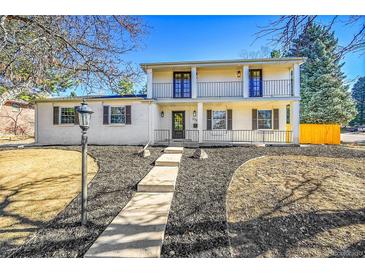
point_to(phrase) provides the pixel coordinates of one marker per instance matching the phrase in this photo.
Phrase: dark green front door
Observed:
(178, 124)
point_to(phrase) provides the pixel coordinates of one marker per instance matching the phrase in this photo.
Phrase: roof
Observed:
(299, 60)
(17, 101)
(93, 97)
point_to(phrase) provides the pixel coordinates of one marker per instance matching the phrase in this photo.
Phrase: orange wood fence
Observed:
(328, 134)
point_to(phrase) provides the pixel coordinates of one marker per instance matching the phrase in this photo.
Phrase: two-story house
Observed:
(206, 102)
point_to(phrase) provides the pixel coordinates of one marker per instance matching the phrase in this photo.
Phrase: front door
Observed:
(178, 124)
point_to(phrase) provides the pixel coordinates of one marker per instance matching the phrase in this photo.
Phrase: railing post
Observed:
(200, 122)
(245, 80)
(149, 83)
(296, 80)
(294, 121)
(194, 86)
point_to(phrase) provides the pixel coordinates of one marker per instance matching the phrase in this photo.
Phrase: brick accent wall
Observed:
(17, 117)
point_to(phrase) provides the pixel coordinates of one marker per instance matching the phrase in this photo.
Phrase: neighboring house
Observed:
(228, 101)
(17, 118)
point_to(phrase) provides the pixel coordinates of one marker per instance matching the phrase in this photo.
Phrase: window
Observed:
(117, 115)
(68, 115)
(219, 120)
(288, 114)
(264, 119)
(182, 85)
(15, 107)
(255, 83)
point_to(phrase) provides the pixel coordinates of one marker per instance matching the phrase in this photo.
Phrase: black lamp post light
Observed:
(84, 112)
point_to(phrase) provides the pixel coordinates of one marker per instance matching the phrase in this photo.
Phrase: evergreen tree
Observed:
(358, 93)
(325, 98)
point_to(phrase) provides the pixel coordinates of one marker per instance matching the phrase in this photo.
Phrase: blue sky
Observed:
(173, 38)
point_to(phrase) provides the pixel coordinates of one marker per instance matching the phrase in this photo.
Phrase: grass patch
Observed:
(298, 206)
(35, 185)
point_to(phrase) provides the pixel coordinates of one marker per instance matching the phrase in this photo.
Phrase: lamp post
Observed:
(84, 113)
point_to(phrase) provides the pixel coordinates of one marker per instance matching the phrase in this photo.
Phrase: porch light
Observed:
(194, 113)
(238, 74)
(162, 114)
(84, 113)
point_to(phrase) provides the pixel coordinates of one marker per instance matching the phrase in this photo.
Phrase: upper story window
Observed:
(219, 120)
(117, 115)
(182, 84)
(264, 119)
(67, 115)
(255, 82)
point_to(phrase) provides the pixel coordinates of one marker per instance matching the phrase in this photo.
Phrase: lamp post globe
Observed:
(84, 113)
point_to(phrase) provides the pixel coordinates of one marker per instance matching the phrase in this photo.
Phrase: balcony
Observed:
(271, 88)
(233, 89)
(220, 89)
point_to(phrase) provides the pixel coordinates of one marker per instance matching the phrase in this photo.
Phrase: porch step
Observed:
(168, 160)
(159, 179)
(174, 150)
(138, 231)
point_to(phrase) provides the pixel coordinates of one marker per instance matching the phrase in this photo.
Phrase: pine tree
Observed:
(358, 93)
(324, 96)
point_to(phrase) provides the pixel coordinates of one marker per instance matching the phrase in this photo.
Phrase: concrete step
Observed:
(168, 160)
(174, 150)
(138, 231)
(159, 179)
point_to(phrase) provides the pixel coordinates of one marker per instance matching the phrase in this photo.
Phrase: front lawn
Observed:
(197, 225)
(298, 206)
(110, 190)
(35, 185)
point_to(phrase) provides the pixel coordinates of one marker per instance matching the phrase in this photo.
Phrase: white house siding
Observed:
(133, 134)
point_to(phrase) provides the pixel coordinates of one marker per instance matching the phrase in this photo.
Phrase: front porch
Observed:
(213, 123)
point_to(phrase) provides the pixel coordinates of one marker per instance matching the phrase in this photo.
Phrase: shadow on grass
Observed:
(280, 234)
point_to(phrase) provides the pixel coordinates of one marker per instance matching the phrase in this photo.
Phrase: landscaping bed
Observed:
(197, 225)
(119, 172)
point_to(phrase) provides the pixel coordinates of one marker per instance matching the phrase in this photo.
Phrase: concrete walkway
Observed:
(138, 230)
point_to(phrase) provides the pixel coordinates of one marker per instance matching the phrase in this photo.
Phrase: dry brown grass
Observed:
(298, 206)
(35, 185)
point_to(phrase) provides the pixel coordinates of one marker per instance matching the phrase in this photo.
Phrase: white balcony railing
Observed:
(264, 88)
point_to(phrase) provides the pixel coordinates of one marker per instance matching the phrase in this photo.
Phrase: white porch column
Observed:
(295, 120)
(149, 83)
(296, 80)
(200, 121)
(194, 84)
(153, 122)
(246, 81)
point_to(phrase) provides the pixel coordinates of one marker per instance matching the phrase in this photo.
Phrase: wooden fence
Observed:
(317, 134)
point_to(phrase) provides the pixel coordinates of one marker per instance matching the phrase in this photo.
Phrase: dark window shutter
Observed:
(128, 115)
(105, 115)
(209, 119)
(254, 119)
(56, 115)
(229, 119)
(276, 118)
(76, 120)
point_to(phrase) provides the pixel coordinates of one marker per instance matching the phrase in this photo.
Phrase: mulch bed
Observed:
(120, 170)
(197, 225)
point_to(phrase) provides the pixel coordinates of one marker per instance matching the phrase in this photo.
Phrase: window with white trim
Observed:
(67, 115)
(219, 119)
(117, 115)
(264, 119)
